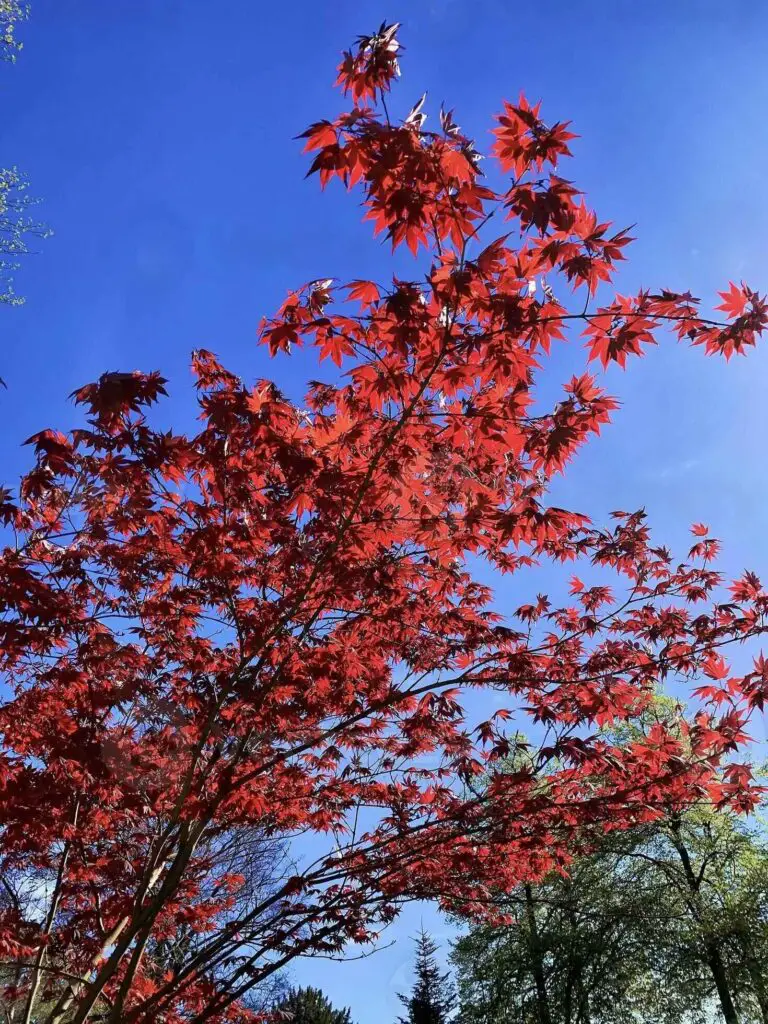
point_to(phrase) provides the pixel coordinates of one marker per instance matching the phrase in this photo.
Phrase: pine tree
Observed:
(432, 999)
(311, 1006)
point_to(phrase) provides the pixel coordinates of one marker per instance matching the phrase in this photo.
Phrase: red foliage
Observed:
(270, 628)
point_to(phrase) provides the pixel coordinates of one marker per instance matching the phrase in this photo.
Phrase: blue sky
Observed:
(159, 133)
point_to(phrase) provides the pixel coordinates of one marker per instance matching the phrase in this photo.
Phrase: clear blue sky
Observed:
(159, 133)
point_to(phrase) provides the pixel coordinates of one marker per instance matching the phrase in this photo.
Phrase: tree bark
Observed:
(576, 973)
(539, 979)
(712, 948)
(568, 1000)
(756, 977)
(584, 1017)
(716, 966)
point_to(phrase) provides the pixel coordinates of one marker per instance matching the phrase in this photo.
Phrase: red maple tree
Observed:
(270, 629)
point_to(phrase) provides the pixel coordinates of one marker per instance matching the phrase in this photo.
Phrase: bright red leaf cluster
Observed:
(270, 629)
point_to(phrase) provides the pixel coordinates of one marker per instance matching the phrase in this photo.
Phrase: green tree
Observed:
(713, 866)
(747, 908)
(667, 922)
(579, 949)
(713, 937)
(432, 998)
(310, 1006)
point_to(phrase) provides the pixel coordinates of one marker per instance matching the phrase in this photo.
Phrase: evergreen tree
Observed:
(433, 998)
(310, 1006)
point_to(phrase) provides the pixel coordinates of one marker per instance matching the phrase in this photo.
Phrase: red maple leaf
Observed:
(734, 300)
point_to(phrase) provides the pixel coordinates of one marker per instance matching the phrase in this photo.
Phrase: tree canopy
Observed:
(310, 1006)
(269, 627)
(663, 923)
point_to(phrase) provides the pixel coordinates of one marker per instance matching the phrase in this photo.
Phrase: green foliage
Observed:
(310, 1006)
(662, 925)
(11, 12)
(432, 999)
(16, 228)
(579, 949)
(714, 930)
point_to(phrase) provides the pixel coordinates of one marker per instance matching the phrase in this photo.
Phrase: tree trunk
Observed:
(755, 976)
(716, 966)
(568, 1000)
(712, 948)
(576, 973)
(584, 1017)
(542, 1000)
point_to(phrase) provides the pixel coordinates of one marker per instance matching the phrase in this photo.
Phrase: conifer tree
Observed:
(311, 1006)
(433, 998)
